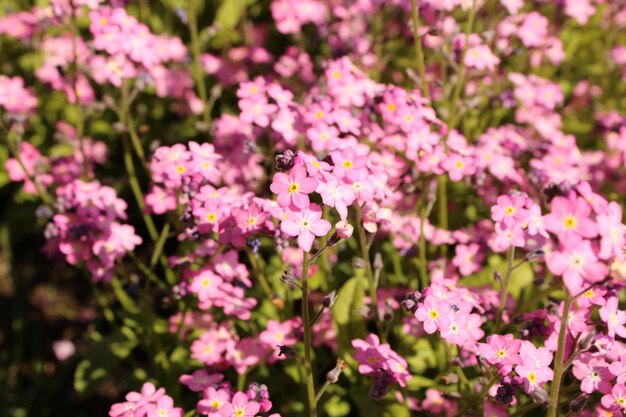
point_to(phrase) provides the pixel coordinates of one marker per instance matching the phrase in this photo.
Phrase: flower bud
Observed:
(578, 403)
(378, 261)
(540, 396)
(358, 263)
(290, 280)
(343, 229)
(285, 161)
(289, 351)
(333, 375)
(329, 300)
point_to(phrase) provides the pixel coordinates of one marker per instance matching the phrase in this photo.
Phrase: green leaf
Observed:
(229, 13)
(103, 357)
(349, 322)
(336, 406)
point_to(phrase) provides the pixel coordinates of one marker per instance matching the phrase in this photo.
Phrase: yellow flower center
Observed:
(240, 412)
(501, 353)
(391, 107)
(181, 169)
(319, 114)
(532, 377)
(433, 314)
(216, 404)
(211, 217)
(372, 360)
(509, 211)
(569, 222)
(347, 164)
(251, 221)
(206, 282)
(294, 187)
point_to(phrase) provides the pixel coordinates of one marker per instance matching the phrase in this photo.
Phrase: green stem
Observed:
(505, 288)
(370, 275)
(559, 366)
(443, 209)
(258, 272)
(310, 383)
(197, 71)
(321, 391)
(158, 249)
(422, 247)
(419, 53)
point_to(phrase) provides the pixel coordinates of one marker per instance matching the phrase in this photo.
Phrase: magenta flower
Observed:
(199, 380)
(509, 210)
(212, 401)
(616, 400)
(306, 225)
(534, 367)
(577, 264)
(594, 375)
(165, 408)
(431, 313)
(612, 240)
(293, 188)
(613, 317)
(336, 194)
(240, 406)
(569, 219)
(502, 351)
(347, 163)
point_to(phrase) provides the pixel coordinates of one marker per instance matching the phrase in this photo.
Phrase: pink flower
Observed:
(509, 210)
(336, 194)
(616, 400)
(347, 163)
(200, 380)
(240, 406)
(212, 401)
(468, 258)
(613, 317)
(502, 351)
(306, 224)
(278, 333)
(534, 367)
(165, 408)
(480, 57)
(569, 219)
(577, 265)
(594, 375)
(431, 313)
(293, 189)
(612, 240)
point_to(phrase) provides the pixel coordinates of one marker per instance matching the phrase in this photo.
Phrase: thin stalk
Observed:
(158, 249)
(80, 116)
(419, 52)
(505, 287)
(442, 190)
(365, 249)
(136, 188)
(197, 71)
(559, 366)
(310, 383)
(321, 391)
(422, 247)
(258, 272)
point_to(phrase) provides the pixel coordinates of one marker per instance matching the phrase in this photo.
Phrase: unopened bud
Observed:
(285, 161)
(578, 403)
(450, 379)
(330, 299)
(587, 341)
(290, 280)
(358, 263)
(536, 255)
(288, 351)
(378, 261)
(333, 375)
(343, 229)
(497, 276)
(540, 396)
